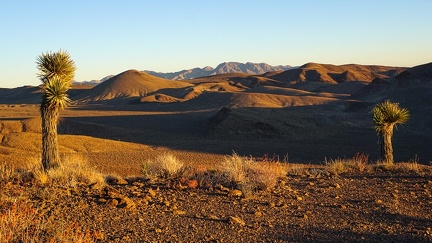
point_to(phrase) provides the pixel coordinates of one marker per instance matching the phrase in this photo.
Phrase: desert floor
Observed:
(311, 202)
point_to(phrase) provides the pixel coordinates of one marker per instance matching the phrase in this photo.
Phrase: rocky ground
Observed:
(313, 206)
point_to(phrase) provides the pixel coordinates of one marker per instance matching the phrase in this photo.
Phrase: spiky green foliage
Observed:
(56, 92)
(55, 64)
(386, 116)
(56, 71)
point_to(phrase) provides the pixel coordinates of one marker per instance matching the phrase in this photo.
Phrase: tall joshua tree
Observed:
(56, 71)
(386, 116)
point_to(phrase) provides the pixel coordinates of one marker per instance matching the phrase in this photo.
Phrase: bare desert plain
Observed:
(303, 138)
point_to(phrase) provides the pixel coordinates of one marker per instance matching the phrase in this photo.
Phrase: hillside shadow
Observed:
(308, 134)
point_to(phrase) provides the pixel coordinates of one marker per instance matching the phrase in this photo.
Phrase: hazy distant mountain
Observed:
(94, 82)
(226, 67)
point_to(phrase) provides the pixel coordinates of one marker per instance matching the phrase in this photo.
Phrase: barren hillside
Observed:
(312, 112)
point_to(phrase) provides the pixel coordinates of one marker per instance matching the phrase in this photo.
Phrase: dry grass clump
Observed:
(402, 167)
(72, 169)
(238, 168)
(7, 172)
(380, 165)
(358, 163)
(165, 166)
(20, 222)
(300, 169)
(267, 174)
(337, 166)
(412, 166)
(249, 174)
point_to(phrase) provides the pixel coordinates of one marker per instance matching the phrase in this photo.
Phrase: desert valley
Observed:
(301, 118)
(306, 114)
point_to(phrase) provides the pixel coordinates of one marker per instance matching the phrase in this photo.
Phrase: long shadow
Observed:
(307, 134)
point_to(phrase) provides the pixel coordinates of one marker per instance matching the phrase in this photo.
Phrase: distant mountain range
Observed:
(223, 68)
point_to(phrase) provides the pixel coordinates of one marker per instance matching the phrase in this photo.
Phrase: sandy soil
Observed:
(312, 206)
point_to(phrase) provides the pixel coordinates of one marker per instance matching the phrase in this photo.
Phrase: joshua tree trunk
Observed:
(386, 145)
(50, 154)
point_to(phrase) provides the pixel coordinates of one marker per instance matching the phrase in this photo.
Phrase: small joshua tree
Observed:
(56, 72)
(386, 116)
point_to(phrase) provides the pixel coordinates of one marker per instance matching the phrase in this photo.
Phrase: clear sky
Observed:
(110, 36)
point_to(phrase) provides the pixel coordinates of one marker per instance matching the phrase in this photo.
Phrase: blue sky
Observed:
(110, 36)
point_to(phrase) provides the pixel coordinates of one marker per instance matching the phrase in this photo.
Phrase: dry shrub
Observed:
(249, 175)
(336, 166)
(237, 167)
(7, 172)
(75, 169)
(267, 174)
(20, 222)
(380, 165)
(412, 166)
(359, 163)
(41, 176)
(165, 165)
(207, 178)
(403, 167)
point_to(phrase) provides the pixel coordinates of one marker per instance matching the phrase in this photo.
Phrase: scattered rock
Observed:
(152, 193)
(222, 188)
(235, 193)
(258, 214)
(236, 220)
(192, 184)
(121, 181)
(112, 203)
(116, 199)
(179, 212)
(127, 203)
(157, 230)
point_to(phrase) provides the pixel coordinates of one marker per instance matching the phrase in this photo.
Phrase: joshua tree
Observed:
(56, 71)
(386, 116)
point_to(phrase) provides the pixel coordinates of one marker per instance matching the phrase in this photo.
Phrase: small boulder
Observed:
(236, 220)
(192, 184)
(235, 193)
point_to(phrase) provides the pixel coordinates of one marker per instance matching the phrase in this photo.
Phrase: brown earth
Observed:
(307, 205)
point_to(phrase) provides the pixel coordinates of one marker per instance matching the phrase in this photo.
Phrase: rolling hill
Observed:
(126, 86)
(334, 74)
(312, 111)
